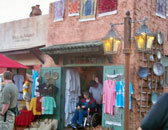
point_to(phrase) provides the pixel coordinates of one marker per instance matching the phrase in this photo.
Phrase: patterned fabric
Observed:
(107, 7)
(49, 104)
(114, 119)
(59, 7)
(88, 10)
(161, 8)
(73, 7)
(120, 94)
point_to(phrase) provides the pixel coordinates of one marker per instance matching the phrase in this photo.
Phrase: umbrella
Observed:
(6, 62)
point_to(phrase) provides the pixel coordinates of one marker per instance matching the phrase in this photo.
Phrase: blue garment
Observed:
(88, 7)
(35, 75)
(86, 103)
(78, 116)
(120, 94)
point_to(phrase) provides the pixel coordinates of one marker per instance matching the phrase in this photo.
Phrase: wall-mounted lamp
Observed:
(111, 42)
(144, 38)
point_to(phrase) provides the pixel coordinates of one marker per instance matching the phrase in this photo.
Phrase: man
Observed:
(96, 90)
(82, 109)
(157, 117)
(8, 101)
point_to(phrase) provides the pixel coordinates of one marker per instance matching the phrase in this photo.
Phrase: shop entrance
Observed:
(76, 80)
(86, 73)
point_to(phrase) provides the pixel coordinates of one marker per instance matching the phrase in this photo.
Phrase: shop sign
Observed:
(23, 37)
(89, 59)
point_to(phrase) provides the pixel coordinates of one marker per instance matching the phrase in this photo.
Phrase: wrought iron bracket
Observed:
(55, 58)
(131, 21)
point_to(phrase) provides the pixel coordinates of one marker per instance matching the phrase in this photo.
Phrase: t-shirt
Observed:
(86, 103)
(9, 95)
(48, 104)
(96, 92)
(120, 94)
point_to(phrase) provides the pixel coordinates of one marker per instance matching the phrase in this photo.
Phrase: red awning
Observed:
(6, 62)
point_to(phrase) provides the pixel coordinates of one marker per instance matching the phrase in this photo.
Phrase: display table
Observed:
(25, 118)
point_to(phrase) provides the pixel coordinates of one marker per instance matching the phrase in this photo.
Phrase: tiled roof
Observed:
(91, 46)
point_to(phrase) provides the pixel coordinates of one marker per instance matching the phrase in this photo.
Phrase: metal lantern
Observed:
(144, 38)
(111, 43)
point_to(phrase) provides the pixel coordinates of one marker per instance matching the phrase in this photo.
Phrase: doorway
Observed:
(75, 81)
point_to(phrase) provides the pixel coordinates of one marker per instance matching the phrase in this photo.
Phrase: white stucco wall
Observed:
(24, 34)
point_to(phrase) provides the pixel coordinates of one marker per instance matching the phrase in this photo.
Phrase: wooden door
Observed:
(117, 121)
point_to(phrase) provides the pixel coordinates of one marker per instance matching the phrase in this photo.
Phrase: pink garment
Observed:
(109, 96)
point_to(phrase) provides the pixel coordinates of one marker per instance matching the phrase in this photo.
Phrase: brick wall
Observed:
(71, 30)
(143, 9)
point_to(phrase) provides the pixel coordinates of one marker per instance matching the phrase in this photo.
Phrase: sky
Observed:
(11, 10)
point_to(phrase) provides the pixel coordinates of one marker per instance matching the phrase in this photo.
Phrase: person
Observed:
(96, 90)
(82, 109)
(157, 117)
(8, 102)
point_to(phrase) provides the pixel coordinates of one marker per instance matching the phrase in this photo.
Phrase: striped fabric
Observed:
(88, 10)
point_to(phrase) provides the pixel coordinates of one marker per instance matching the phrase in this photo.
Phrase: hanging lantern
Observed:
(144, 38)
(111, 43)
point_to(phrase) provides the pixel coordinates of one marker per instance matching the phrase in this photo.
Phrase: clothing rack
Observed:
(115, 76)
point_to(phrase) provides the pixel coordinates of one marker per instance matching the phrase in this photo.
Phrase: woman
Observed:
(82, 108)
